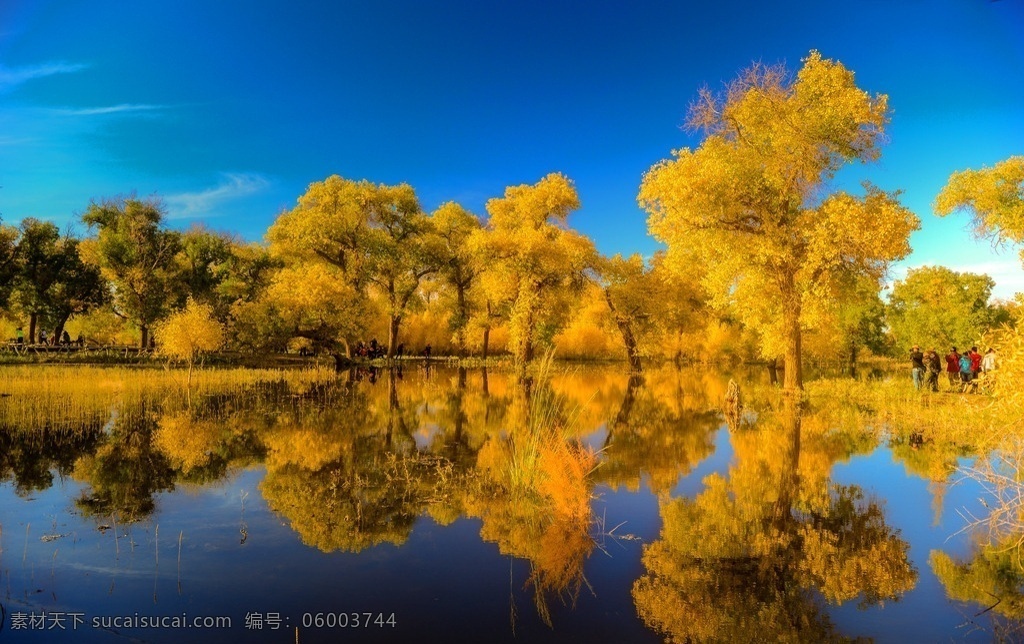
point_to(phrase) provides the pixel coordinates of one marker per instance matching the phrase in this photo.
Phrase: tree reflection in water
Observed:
(756, 555)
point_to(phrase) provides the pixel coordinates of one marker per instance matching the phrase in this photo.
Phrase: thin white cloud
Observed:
(234, 185)
(12, 77)
(12, 141)
(123, 108)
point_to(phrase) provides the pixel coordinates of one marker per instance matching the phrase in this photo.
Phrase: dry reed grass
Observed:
(65, 397)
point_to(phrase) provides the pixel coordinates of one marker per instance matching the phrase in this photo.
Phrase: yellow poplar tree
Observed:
(459, 265)
(994, 196)
(748, 203)
(365, 235)
(189, 333)
(535, 258)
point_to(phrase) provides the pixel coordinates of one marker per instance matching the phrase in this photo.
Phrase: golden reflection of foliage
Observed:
(188, 444)
(534, 496)
(663, 426)
(528, 526)
(993, 577)
(305, 447)
(332, 510)
(713, 586)
(850, 552)
(369, 498)
(746, 558)
(589, 395)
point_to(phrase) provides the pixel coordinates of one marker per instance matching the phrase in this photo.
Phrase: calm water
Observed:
(401, 507)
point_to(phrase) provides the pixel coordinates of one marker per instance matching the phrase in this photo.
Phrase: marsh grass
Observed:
(894, 410)
(34, 397)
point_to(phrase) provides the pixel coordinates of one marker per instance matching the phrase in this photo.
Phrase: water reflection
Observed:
(352, 463)
(757, 554)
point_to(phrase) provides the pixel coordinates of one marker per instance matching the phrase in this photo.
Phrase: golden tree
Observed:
(366, 235)
(189, 333)
(748, 204)
(534, 259)
(459, 265)
(994, 196)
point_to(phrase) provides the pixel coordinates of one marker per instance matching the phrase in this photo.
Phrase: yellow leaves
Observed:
(744, 205)
(315, 295)
(188, 444)
(532, 259)
(189, 332)
(551, 198)
(994, 196)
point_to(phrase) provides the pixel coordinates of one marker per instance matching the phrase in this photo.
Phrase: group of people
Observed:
(65, 338)
(962, 369)
(375, 350)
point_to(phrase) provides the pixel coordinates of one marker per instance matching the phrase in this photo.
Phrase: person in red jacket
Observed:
(975, 363)
(953, 369)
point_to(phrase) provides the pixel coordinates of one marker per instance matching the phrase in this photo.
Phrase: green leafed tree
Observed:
(41, 260)
(751, 205)
(8, 261)
(78, 289)
(136, 253)
(937, 306)
(53, 282)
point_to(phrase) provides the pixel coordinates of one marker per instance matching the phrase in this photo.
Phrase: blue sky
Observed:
(228, 109)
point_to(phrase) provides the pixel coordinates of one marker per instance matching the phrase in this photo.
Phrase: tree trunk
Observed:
(793, 378)
(460, 332)
(528, 342)
(773, 372)
(853, 359)
(32, 319)
(487, 339)
(789, 484)
(339, 361)
(61, 322)
(396, 322)
(144, 344)
(625, 409)
(626, 330)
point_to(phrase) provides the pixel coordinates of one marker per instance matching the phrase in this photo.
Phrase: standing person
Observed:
(965, 371)
(975, 363)
(917, 366)
(42, 336)
(20, 335)
(953, 368)
(934, 366)
(988, 362)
